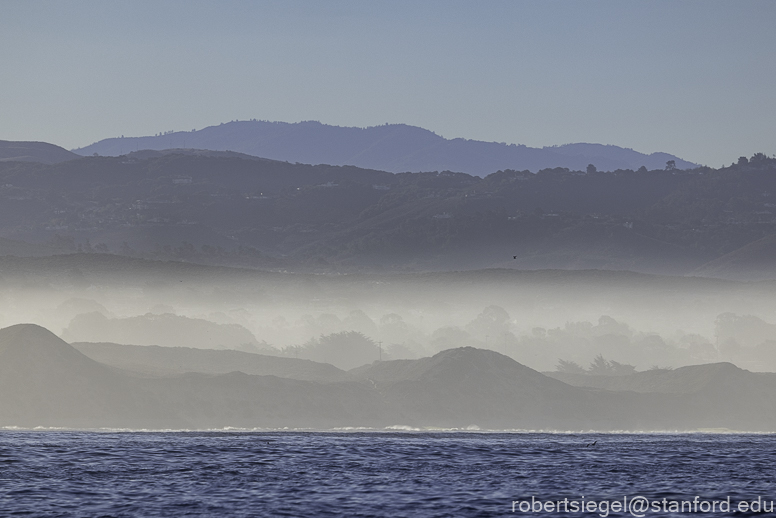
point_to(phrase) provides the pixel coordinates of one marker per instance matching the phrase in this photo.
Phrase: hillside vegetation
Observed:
(232, 210)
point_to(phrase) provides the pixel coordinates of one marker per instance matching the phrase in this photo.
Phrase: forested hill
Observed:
(392, 147)
(263, 213)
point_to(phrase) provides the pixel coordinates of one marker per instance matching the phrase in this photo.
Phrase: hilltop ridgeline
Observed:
(396, 148)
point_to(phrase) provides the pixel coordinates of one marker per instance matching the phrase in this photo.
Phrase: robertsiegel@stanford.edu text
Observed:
(640, 506)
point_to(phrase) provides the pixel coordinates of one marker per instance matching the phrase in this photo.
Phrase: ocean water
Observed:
(300, 474)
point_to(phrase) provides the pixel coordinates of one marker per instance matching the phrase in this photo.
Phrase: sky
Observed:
(693, 78)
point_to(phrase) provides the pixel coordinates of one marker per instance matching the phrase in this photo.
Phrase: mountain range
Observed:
(395, 148)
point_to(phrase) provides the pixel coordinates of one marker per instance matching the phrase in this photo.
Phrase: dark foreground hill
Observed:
(14, 151)
(493, 389)
(393, 147)
(46, 382)
(484, 388)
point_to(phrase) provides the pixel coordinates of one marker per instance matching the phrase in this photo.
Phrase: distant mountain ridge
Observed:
(395, 148)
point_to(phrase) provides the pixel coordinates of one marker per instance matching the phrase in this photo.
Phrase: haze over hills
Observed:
(147, 244)
(535, 317)
(395, 148)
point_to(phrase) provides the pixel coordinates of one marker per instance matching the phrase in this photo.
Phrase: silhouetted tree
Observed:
(569, 367)
(599, 366)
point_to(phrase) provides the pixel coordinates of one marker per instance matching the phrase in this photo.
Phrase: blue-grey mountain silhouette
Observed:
(392, 147)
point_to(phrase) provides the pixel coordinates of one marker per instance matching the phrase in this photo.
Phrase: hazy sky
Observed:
(692, 78)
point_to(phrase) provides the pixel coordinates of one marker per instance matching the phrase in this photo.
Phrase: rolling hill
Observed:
(684, 380)
(46, 382)
(717, 395)
(487, 387)
(17, 151)
(483, 388)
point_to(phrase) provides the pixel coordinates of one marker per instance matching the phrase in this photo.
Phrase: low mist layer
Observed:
(580, 322)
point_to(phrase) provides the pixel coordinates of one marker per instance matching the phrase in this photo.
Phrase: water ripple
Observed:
(410, 474)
